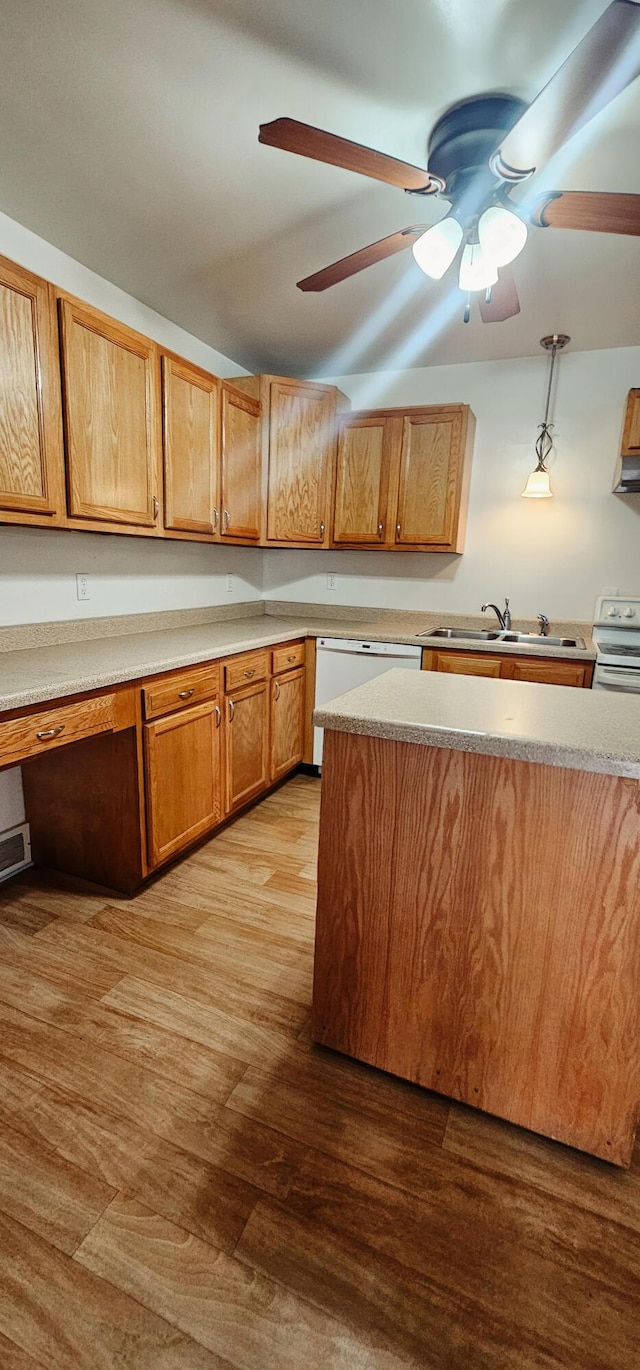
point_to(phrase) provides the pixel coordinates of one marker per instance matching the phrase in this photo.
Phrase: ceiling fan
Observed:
(478, 152)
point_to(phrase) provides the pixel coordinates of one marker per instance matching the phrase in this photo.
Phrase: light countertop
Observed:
(32, 675)
(579, 729)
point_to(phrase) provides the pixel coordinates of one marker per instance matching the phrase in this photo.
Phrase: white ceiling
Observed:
(129, 139)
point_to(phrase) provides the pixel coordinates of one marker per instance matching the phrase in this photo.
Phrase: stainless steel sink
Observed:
(465, 634)
(475, 635)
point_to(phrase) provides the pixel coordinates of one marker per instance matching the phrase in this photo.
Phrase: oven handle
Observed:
(617, 676)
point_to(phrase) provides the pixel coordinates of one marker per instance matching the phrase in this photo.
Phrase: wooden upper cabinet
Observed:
(432, 481)
(363, 468)
(302, 438)
(631, 434)
(191, 447)
(31, 461)
(241, 469)
(112, 419)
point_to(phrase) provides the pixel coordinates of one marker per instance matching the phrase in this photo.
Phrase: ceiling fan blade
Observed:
(594, 211)
(504, 302)
(604, 62)
(357, 261)
(292, 136)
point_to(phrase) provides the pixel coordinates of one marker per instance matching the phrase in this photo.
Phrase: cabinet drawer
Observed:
(243, 670)
(178, 691)
(287, 657)
(457, 663)
(546, 672)
(21, 738)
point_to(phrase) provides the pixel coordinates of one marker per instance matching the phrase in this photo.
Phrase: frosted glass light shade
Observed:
(477, 272)
(435, 250)
(537, 486)
(502, 234)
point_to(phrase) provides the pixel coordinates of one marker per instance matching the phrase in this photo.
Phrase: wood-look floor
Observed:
(186, 1182)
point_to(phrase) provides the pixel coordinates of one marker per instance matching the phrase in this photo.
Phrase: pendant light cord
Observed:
(544, 442)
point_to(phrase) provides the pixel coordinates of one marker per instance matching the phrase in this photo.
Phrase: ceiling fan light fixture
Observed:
(435, 250)
(502, 234)
(477, 271)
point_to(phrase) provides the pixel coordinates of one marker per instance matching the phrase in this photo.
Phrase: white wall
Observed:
(554, 556)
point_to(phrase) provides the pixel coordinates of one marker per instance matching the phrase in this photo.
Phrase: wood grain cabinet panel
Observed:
(285, 658)
(301, 445)
(241, 470)
(543, 670)
(243, 670)
(112, 410)
(363, 467)
(631, 434)
(191, 447)
(430, 478)
(178, 691)
(247, 744)
(287, 722)
(48, 729)
(546, 672)
(31, 458)
(183, 767)
(459, 663)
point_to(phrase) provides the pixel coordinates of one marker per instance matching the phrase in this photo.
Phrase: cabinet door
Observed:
(287, 722)
(183, 776)
(431, 472)
(31, 470)
(301, 446)
(631, 435)
(459, 663)
(241, 466)
(247, 736)
(362, 479)
(112, 410)
(190, 410)
(546, 672)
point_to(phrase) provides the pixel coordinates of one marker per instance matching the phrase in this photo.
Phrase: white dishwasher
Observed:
(343, 663)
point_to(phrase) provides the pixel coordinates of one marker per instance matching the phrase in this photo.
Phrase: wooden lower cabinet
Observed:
(287, 722)
(183, 761)
(246, 744)
(540, 670)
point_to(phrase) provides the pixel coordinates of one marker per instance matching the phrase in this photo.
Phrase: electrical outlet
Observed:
(332, 581)
(229, 583)
(82, 586)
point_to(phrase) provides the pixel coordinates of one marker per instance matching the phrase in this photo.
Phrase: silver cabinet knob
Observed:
(380, 529)
(185, 694)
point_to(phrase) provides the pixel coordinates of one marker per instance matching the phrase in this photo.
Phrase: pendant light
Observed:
(538, 486)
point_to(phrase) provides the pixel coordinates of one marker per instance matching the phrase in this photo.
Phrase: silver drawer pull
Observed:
(322, 528)
(232, 709)
(249, 673)
(226, 521)
(185, 694)
(216, 517)
(277, 689)
(397, 530)
(218, 715)
(156, 506)
(291, 658)
(50, 732)
(380, 529)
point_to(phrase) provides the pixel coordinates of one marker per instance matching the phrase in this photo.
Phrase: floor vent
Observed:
(15, 851)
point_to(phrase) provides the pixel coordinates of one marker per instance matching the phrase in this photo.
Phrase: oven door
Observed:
(621, 678)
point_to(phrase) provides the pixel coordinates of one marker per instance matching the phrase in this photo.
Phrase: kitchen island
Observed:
(478, 924)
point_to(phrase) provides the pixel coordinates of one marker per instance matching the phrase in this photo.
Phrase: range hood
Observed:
(628, 476)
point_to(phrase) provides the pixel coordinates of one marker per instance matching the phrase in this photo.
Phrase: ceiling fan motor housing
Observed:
(462, 141)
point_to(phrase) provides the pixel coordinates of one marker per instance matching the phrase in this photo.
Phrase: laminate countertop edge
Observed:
(35, 675)
(545, 724)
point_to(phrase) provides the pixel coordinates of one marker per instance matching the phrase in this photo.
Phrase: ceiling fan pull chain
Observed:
(467, 309)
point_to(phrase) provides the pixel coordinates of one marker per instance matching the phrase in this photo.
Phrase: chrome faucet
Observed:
(544, 624)
(504, 619)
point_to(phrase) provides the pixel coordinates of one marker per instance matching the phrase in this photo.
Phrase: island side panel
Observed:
(479, 933)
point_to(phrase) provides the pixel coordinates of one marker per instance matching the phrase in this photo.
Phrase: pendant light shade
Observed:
(538, 486)
(435, 250)
(477, 272)
(502, 234)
